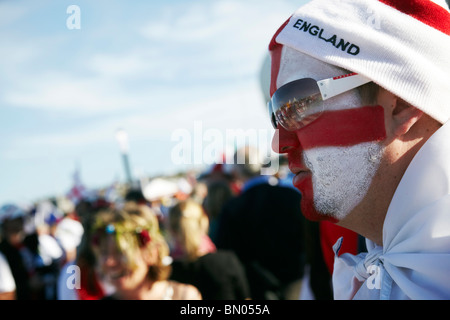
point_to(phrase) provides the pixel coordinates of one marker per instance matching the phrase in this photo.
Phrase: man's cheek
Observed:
(344, 128)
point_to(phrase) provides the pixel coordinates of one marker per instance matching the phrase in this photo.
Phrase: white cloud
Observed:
(11, 11)
(187, 43)
(60, 92)
(241, 109)
(171, 66)
(231, 37)
(116, 65)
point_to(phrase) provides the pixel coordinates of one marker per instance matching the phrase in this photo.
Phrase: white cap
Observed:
(69, 233)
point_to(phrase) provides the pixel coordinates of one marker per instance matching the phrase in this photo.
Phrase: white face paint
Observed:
(341, 176)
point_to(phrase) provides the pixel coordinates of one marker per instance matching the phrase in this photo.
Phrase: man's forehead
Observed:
(297, 65)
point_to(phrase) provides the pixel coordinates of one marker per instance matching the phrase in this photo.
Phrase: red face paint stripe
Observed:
(275, 54)
(425, 11)
(307, 202)
(344, 128)
(275, 68)
(273, 43)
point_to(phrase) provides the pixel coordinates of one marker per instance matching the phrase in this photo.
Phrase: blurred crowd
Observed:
(226, 233)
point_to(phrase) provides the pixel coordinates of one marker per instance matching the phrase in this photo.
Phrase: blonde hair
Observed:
(189, 222)
(136, 228)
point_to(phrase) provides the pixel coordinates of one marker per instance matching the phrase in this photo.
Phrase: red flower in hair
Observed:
(144, 237)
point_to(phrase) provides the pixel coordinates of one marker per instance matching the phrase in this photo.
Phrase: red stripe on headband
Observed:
(425, 11)
(275, 54)
(344, 128)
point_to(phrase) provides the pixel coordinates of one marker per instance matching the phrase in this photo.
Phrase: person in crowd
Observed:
(69, 233)
(359, 99)
(44, 217)
(218, 193)
(21, 251)
(7, 283)
(135, 195)
(131, 253)
(90, 286)
(218, 274)
(263, 225)
(11, 236)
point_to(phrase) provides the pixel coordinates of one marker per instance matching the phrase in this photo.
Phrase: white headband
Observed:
(403, 46)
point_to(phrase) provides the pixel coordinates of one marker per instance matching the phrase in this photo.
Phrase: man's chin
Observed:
(313, 215)
(307, 203)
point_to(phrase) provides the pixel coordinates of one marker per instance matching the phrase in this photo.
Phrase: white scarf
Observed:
(414, 262)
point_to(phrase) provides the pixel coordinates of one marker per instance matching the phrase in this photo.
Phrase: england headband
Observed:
(403, 46)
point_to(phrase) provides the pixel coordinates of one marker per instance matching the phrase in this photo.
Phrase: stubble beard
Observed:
(341, 176)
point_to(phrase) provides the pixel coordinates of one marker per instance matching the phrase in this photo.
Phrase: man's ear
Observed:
(404, 116)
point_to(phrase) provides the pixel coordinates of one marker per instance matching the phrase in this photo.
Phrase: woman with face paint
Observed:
(130, 252)
(365, 134)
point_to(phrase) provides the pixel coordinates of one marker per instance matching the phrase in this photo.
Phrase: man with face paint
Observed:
(360, 100)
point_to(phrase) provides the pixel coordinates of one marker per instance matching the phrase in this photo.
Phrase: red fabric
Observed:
(329, 234)
(425, 11)
(207, 246)
(90, 288)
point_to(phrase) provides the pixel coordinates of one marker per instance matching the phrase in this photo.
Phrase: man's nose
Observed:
(284, 140)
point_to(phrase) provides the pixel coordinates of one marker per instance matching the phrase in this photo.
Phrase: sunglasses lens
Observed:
(296, 104)
(273, 119)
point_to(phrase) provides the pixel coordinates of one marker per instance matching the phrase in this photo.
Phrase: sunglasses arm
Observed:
(334, 86)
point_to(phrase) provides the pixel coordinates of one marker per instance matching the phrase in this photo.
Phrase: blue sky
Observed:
(149, 67)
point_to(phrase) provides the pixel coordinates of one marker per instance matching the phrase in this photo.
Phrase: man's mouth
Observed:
(300, 174)
(299, 177)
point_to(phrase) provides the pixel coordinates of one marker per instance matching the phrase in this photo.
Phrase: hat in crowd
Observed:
(159, 188)
(10, 212)
(402, 46)
(69, 233)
